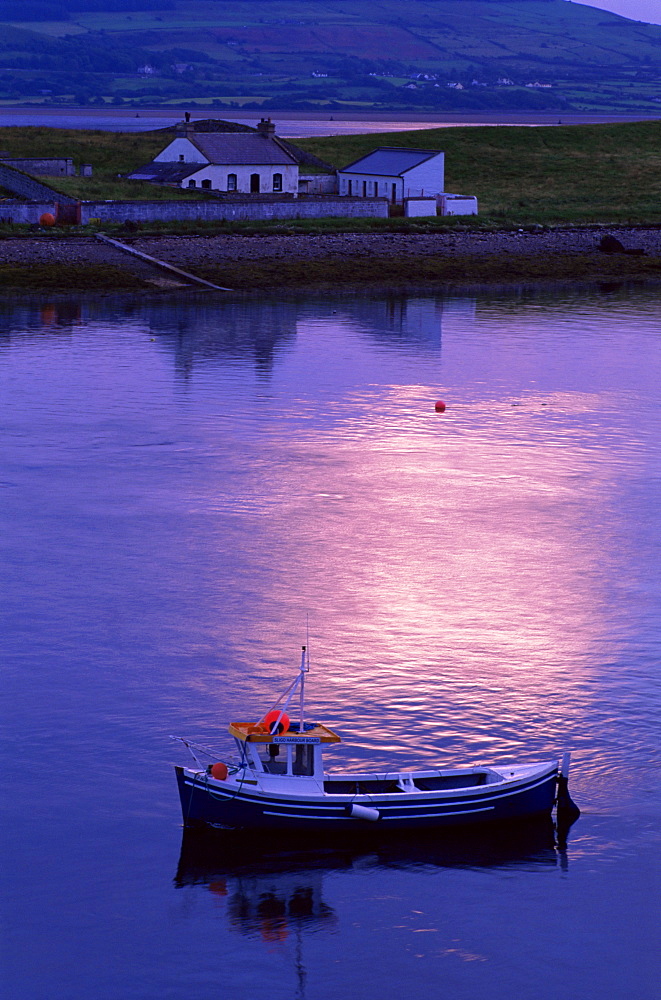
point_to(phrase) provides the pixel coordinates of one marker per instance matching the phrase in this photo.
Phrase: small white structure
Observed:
(457, 204)
(394, 173)
(417, 207)
(233, 162)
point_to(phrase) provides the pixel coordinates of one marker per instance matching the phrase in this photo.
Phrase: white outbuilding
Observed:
(233, 162)
(394, 173)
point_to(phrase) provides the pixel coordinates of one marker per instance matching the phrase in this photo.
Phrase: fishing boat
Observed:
(279, 782)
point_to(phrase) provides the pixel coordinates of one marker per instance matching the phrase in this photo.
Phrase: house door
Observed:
(254, 183)
(394, 192)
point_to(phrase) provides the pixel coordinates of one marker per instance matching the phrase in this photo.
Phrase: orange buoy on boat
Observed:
(219, 771)
(276, 722)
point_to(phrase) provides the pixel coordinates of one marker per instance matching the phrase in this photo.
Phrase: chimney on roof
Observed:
(185, 129)
(266, 128)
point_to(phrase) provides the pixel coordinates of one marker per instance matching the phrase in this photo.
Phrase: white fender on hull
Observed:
(364, 812)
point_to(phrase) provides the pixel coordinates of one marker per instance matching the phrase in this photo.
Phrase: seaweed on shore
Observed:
(67, 277)
(300, 272)
(496, 269)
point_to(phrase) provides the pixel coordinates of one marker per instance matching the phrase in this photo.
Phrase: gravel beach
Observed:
(257, 261)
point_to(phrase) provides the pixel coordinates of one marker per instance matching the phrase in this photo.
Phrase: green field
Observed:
(303, 53)
(522, 176)
(547, 175)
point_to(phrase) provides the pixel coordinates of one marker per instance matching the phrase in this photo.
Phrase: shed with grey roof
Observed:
(395, 173)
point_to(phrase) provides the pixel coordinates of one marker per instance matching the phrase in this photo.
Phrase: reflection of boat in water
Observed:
(217, 857)
(266, 890)
(269, 891)
(269, 900)
(279, 783)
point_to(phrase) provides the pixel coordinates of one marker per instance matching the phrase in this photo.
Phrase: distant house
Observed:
(253, 162)
(394, 173)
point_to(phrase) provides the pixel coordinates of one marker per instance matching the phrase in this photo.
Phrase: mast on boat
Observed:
(305, 668)
(273, 718)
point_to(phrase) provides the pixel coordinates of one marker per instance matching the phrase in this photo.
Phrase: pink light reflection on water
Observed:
(452, 566)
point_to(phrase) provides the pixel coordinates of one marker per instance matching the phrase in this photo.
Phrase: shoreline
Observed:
(297, 262)
(305, 124)
(487, 116)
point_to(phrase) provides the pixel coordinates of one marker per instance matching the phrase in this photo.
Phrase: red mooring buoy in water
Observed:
(440, 406)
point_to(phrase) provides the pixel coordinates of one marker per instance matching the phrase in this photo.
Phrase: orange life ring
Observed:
(270, 720)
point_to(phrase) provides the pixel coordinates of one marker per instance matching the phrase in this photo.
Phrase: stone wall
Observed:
(200, 211)
(25, 212)
(252, 209)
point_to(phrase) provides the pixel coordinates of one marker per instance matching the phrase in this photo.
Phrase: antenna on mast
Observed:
(305, 666)
(307, 637)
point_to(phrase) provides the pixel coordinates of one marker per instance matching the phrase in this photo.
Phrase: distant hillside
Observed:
(427, 55)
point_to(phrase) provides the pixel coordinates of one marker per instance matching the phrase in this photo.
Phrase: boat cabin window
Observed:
(273, 757)
(285, 758)
(303, 762)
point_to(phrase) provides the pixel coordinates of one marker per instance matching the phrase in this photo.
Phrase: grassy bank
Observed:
(274, 227)
(550, 175)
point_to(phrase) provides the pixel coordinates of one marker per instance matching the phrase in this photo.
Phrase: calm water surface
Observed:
(289, 125)
(184, 480)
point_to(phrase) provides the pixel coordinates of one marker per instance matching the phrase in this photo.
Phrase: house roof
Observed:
(165, 172)
(238, 148)
(390, 161)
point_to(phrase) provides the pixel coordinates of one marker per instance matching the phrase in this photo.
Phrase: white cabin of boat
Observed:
(292, 754)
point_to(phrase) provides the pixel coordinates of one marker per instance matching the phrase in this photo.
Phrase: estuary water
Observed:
(186, 481)
(290, 125)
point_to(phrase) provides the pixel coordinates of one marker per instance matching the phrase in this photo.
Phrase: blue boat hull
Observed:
(204, 803)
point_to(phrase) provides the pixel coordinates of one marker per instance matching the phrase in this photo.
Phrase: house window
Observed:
(254, 183)
(231, 182)
(350, 188)
(277, 182)
(206, 184)
(364, 189)
(181, 157)
(191, 184)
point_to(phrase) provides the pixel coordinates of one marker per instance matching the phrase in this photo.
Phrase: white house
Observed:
(394, 173)
(241, 162)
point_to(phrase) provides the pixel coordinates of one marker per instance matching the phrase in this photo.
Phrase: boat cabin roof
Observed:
(250, 732)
